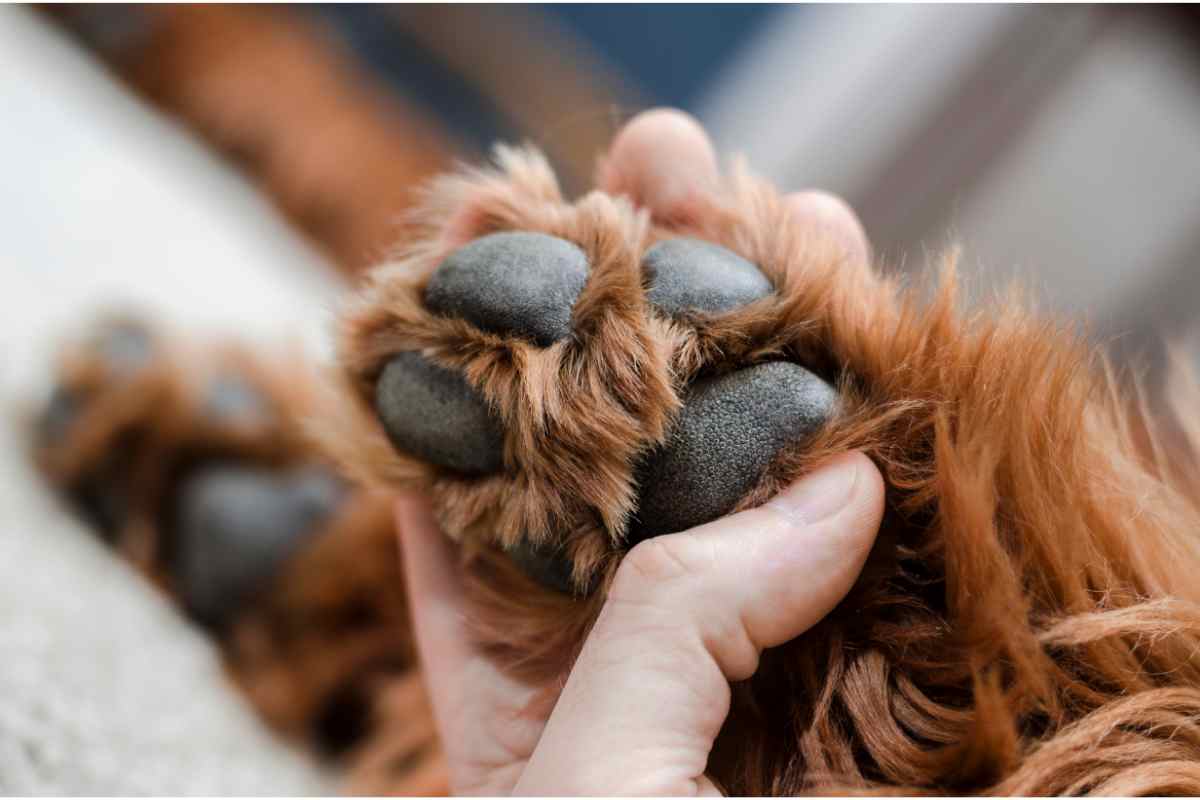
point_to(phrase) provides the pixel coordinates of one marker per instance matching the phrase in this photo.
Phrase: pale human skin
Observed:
(686, 614)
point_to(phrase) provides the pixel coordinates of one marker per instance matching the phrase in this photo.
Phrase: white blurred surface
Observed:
(1059, 145)
(103, 688)
(1103, 191)
(105, 204)
(824, 95)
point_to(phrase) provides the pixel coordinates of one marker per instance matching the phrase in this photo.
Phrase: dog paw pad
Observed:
(692, 275)
(729, 429)
(236, 525)
(435, 415)
(230, 397)
(512, 283)
(125, 346)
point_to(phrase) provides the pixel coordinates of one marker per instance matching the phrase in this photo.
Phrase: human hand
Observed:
(686, 614)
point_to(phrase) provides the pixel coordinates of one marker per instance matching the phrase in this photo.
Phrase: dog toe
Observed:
(514, 283)
(434, 414)
(690, 275)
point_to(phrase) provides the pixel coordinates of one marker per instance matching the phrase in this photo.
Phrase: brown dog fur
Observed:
(1027, 621)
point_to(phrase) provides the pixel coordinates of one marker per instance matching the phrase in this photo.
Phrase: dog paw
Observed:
(190, 460)
(130, 433)
(568, 379)
(519, 284)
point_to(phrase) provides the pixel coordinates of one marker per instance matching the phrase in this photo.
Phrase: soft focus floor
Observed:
(104, 689)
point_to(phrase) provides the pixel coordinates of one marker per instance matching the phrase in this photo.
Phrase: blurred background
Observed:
(1057, 144)
(226, 168)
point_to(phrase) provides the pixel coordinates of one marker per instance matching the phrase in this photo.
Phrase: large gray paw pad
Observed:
(434, 414)
(513, 283)
(690, 275)
(729, 429)
(236, 525)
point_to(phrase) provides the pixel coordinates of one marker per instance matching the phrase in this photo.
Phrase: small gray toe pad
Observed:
(692, 275)
(512, 283)
(434, 414)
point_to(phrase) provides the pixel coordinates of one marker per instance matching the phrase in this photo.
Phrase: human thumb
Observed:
(686, 614)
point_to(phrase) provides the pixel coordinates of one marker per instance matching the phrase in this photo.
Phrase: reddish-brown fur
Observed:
(1028, 620)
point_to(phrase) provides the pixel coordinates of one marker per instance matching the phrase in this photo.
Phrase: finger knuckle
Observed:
(651, 566)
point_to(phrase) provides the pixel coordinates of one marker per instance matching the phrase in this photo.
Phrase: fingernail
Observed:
(820, 494)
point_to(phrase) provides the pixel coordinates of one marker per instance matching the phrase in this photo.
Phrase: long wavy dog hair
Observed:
(1027, 622)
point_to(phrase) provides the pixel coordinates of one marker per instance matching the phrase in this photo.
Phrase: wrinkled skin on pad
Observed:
(730, 428)
(235, 525)
(691, 275)
(434, 414)
(512, 283)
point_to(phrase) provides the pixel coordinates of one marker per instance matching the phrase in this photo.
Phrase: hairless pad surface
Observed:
(235, 526)
(549, 567)
(434, 414)
(728, 431)
(231, 397)
(693, 275)
(125, 346)
(516, 282)
(60, 413)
